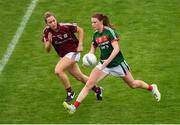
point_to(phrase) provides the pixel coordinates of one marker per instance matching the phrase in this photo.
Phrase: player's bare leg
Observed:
(141, 84)
(60, 68)
(76, 72)
(93, 79)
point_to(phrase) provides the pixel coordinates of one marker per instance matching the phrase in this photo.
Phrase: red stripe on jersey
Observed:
(115, 40)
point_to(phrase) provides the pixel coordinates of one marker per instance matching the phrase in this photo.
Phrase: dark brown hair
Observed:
(46, 15)
(104, 18)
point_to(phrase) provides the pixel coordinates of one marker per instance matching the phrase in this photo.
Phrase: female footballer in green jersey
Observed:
(111, 61)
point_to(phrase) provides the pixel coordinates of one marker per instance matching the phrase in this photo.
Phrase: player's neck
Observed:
(56, 30)
(101, 29)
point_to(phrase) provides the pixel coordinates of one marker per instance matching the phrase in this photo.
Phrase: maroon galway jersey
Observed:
(64, 40)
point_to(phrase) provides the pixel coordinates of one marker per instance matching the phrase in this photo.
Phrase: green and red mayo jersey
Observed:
(64, 40)
(104, 41)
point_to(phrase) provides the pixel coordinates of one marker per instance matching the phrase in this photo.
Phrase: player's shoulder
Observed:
(108, 29)
(67, 24)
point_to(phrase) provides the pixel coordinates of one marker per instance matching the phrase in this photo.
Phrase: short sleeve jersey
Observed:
(103, 40)
(64, 39)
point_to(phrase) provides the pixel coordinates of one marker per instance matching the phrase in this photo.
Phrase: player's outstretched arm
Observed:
(81, 38)
(92, 49)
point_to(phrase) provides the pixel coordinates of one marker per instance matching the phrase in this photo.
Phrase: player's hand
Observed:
(50, 37)
(105, 63)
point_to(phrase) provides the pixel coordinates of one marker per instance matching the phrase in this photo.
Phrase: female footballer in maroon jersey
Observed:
(68, 47)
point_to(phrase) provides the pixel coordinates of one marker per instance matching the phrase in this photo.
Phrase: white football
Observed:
(89, 59)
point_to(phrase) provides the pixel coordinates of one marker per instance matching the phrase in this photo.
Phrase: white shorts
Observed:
(118, 71)
(74, 56)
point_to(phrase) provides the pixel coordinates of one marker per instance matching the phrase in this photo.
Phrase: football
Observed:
(89, 59)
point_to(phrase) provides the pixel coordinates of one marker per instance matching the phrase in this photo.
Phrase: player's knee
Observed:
(90, 83)
(58, 72)
(134, 84)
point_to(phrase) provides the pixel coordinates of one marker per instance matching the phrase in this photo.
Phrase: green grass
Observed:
(150, 32)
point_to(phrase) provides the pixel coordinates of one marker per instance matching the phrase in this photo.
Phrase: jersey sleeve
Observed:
(73, 28)
(113, 36)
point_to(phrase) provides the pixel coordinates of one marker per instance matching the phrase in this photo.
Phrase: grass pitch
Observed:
(150, 32)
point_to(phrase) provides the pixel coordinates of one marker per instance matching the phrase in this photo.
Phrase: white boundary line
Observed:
(17, 35)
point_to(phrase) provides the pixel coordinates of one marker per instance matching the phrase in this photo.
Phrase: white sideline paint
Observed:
(17, 35)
